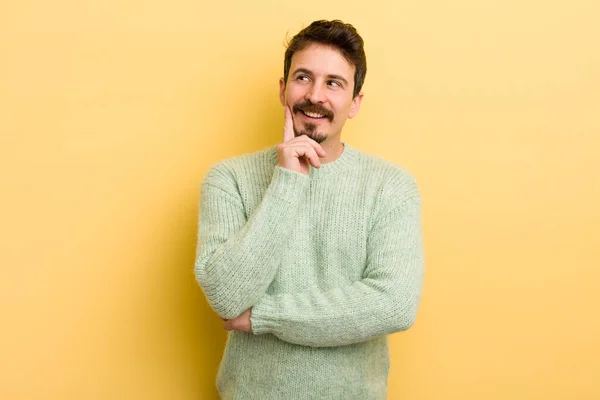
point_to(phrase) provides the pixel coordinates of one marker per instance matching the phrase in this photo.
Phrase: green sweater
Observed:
(329, 262)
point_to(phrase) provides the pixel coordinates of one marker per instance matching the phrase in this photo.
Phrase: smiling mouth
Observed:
(313, 115)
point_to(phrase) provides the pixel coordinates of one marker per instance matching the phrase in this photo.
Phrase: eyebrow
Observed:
(330, 76)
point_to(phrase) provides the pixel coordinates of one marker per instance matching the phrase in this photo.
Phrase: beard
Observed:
(310, 129)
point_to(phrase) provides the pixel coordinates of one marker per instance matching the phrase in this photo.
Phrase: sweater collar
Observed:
(345, 162)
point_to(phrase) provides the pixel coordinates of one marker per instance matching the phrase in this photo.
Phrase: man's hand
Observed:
(296, 153)
(240, 323)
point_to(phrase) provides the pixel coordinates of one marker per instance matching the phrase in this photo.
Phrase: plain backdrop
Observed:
(112, 111)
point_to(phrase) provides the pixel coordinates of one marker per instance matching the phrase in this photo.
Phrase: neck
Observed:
(334, 149)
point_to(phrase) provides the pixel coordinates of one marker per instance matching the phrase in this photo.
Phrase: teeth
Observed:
(313, 115)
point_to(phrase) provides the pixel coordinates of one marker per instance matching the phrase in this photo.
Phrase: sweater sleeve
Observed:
(383, 302)
(237, 257)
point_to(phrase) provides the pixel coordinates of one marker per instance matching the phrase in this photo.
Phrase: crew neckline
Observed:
(345, 161)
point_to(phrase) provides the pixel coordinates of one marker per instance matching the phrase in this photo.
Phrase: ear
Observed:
(282, 91)
(355, 105)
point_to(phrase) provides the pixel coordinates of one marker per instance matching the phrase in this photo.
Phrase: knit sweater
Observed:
(329, 262)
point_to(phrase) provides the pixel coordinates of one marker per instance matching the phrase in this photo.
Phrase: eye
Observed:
(302, 78)
(334, 83)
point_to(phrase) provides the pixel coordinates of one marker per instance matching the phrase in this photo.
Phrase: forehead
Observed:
(322, 60)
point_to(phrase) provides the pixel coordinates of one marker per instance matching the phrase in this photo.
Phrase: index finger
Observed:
(288, 126)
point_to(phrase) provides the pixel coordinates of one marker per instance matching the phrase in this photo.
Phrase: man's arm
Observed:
(236, 259)
(383, 302)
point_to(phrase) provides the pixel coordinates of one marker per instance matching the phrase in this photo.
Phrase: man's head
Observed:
(324, 70)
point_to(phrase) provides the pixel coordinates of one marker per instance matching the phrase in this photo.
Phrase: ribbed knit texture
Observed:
(330, 263)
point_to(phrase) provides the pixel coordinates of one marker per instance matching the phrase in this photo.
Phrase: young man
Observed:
(311, 251)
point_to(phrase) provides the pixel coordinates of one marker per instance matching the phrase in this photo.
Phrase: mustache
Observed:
(308, 106)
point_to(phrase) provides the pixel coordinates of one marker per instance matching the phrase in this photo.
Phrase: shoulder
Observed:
(229, 170)
(394, 181)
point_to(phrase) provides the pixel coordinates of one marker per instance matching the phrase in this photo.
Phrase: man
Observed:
(311, 250)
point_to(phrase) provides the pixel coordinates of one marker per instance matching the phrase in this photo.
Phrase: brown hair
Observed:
(337, 34)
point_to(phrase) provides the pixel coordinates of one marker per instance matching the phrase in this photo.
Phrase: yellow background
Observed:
(111, 112)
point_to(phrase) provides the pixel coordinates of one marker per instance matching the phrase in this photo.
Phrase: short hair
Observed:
(337, 34)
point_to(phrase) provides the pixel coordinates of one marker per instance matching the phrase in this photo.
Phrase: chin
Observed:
(310, 130)
(317, 137)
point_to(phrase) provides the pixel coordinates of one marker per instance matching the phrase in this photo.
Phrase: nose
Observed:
(316, 93)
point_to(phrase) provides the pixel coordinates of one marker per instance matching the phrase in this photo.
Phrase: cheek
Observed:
(343, 108)
(290, 99)
(294, 93)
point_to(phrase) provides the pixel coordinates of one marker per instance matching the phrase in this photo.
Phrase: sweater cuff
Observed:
(287, 184)
(264, 316)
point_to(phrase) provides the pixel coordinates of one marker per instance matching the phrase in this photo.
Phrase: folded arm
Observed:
(383, 302)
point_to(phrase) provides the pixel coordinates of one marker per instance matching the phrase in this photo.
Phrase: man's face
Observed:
(319, 92)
